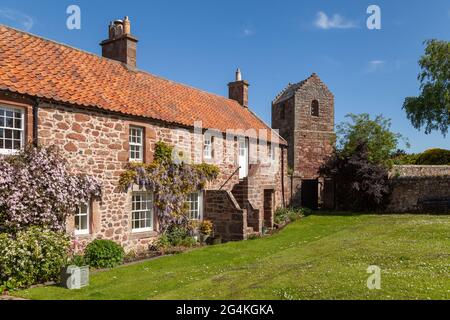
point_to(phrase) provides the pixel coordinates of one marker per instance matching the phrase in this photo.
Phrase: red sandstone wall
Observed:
(97, 144)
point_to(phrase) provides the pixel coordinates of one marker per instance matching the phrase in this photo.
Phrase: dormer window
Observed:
(315, 108)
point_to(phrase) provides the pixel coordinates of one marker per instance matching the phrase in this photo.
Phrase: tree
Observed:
(432, 107)
(361, 185)
(381, 142)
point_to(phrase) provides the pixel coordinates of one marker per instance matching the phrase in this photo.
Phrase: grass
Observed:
(319, 257)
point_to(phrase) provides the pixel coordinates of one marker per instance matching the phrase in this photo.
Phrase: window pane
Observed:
(84, 222)
(77, 222)
(9, 122)
(17, 145)
(17, 135)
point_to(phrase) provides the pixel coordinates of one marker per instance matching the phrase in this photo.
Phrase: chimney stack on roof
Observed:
(238, 90)
(120, 45)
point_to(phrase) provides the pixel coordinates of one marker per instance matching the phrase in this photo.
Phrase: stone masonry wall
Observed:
(230, 221)
(96, 143)
(314, 136)
(412, 183)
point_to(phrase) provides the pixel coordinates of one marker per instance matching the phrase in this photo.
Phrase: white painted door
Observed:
(243, 158)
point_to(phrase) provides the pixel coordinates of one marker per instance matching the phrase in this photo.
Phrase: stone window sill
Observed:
(143, 235)
(83, 236)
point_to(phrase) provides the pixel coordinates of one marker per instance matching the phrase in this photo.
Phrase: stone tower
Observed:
(304, 115)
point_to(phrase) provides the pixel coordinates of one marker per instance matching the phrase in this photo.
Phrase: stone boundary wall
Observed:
(412, 183)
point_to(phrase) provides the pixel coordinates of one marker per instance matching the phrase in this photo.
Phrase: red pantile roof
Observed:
(38, 67)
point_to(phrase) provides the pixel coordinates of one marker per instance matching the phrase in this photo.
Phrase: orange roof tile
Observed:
(38, 67)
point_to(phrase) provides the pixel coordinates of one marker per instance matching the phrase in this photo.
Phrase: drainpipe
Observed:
(282, 176)
(35, 122)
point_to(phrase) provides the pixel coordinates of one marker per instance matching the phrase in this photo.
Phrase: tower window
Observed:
(282, 111)
(315, 108)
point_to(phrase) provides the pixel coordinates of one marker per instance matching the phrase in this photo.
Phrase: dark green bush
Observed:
(361, 185)
(289, 214)
(77, 260)
(281, 215)
(32, 256)
(434, 157)
(176, 234)
(104, 254)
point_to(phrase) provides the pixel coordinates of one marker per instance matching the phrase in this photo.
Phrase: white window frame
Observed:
(271, 152)
(134, 144)
(208, 147)
(21, 130)
(149, 209)
(199, 209)
(80, 214)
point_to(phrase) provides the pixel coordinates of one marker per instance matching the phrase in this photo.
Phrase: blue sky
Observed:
(201, 42)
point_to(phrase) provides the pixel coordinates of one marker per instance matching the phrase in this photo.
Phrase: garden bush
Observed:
(31, 256)
(178, 235)
(103, 254)
(283, 215)
(361, 185)
(434, 157)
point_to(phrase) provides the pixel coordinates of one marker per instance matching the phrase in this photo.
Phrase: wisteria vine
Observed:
(36, 188)
(170, 182)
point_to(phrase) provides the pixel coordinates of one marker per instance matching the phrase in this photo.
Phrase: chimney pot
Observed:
(126, 25)
(238, 75)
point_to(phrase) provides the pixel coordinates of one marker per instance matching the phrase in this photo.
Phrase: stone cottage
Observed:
(103, 112)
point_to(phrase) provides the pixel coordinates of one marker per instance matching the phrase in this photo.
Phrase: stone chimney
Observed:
(238, 90)
(121, 45)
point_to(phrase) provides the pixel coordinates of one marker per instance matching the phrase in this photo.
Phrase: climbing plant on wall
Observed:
(38, 189)
(170, 182)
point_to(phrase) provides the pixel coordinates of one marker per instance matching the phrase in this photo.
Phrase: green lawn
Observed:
(319, 257)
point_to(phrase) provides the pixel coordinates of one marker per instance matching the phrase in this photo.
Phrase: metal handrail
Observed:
(229, 178)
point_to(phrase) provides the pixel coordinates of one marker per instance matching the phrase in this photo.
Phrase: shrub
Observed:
(77, 260)
(360, 184)
(32, 256)
(281, 215)
(162, 243)
(206, 227)
(405, 159)
(176, 234)
(188, 242)
(434, 157)
(288, 214)
(104, 254)
(306, 212)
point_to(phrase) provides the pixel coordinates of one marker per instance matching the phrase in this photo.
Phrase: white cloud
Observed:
(335, 22)
(16, 19)
(248, 32)
(375, 65)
